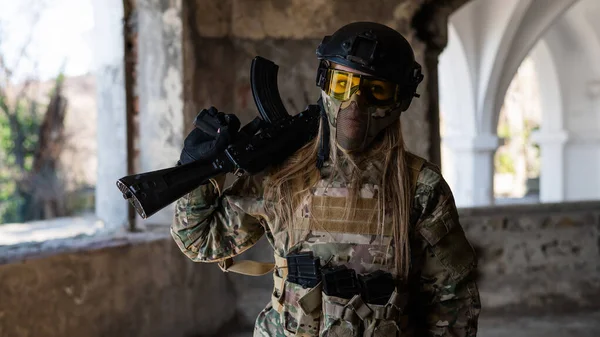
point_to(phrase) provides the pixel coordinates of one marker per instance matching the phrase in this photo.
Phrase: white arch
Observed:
(494, 64)
(575, 48)
(486, 28)
(456, 87)
(538, 16)
(495, 36)
(550, 87)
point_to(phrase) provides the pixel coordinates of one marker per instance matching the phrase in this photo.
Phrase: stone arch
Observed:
(536, 19)
(495, 36)
(493, 67)
(550, 86)
(455, 74)
(574, 46)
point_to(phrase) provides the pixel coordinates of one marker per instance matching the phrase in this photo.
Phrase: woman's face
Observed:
(352, 117)
(356, 121)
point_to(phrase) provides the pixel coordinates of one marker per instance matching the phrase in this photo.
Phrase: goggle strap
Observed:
(322, 75)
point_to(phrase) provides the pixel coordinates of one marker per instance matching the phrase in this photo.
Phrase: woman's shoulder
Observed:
(423, 172)
(428, 184)
(435, 219)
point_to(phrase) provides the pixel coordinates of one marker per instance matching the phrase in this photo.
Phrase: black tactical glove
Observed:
(214, 131)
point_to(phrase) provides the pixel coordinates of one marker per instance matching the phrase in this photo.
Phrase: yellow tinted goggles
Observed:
(342, 85)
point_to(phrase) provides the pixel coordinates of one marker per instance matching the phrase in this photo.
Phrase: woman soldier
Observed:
(367, 239)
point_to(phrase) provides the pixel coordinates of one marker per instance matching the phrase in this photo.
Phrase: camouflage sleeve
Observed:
(209, 227)
(448, 299)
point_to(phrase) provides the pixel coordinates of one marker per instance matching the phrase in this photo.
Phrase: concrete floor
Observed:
(575, 325)
(580, 325)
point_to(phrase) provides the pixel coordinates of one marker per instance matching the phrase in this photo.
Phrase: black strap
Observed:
(323, 154)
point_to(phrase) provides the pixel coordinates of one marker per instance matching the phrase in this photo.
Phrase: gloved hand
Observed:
(214, 131)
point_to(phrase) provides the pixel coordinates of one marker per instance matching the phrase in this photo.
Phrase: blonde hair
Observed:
(290, 183)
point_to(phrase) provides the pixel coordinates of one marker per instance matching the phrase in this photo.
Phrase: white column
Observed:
(473, 168)
(111, 114)
(582, 166)
(552, 159)
(160, 90)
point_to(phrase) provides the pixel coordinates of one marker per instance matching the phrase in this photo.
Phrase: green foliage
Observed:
(504, 130)
(10, 201)
(504, 163)
(24, 117)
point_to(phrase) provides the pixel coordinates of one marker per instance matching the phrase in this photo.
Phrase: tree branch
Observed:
(17, 128)
(3, 68)
(3, 106)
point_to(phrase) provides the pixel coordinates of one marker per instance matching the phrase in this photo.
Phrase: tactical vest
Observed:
(310, 307)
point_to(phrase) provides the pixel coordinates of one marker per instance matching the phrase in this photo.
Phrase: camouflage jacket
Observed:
(441, 297)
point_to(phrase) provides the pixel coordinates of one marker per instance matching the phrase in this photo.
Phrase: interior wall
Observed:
(146, 288)
(537, 258)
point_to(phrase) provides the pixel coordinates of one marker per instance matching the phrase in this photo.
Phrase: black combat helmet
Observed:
(375, 49)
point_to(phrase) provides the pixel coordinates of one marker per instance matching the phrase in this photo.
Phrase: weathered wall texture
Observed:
(222, 37)
(159, 88)
(143, 289)
(537, 257)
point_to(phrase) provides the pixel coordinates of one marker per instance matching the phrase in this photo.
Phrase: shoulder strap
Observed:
(251, 268)
(415, 164)
(246, 267)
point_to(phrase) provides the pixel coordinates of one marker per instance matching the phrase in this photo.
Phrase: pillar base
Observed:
(469, 168)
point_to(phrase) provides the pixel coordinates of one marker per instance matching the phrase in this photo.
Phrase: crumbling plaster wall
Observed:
(543, 257)
(159, 90)
(136, 285)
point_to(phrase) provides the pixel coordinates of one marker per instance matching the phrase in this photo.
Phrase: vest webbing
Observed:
(254, 268)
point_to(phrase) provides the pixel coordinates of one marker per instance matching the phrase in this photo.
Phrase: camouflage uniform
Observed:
(440, 298)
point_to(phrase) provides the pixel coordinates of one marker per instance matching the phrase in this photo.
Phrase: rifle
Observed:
(279, 136)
